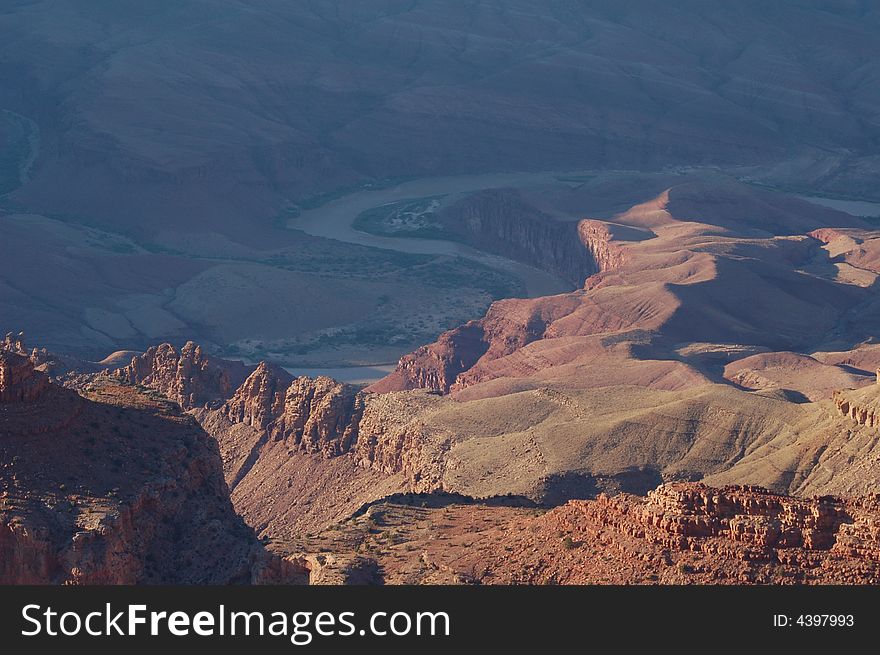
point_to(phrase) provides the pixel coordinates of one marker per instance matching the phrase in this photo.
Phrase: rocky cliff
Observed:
(444, 365)
(696, 517)
(681, 533)
(312, 415)
(688, 532)
(862, 406)
(438, 365)
(19, 382)
(109, 485)
(319, 415)
(260, 399)
(187, 376)
(501, 222)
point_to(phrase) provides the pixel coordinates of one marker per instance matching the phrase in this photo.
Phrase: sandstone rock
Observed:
(118, 487)
(689, 532)
(862, 406)
(599, 240)
(319, 415)
(500, 221)
(438, 365)
(260, 398)
(19, 382)
(188, 376)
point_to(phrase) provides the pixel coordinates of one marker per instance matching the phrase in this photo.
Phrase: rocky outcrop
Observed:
(438, 365)
(187, 376)
(448, 363)
(861, 406)
(260, 399)
(391, 441)
(599, 240)
(312, 415)
(319, 415)
(860, 414)
(696, 517)
(501, 222)
(13, 343)
(689, 532)
(19, 381)
(135, 494)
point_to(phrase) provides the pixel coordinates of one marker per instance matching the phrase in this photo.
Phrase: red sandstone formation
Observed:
(691, 516)
(861, 406)
(316, 415)
(134, 493)
(680, 533)
(438, 365)
(19, 382)
(260, 398)
(691, 532)
(603, 243)
(187, 376)
(319, 415)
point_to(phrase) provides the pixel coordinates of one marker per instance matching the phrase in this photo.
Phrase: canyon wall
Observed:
(862, 406)
(109, 485)
(187, 376)
(501, 222)
(694, 516)
(315, 416)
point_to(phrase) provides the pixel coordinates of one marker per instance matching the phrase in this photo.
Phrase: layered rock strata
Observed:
(114, 486)
(861, 406)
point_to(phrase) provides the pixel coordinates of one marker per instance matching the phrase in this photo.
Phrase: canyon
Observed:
(606, 273)
(109, 485)
(157, 226)
(591, 413)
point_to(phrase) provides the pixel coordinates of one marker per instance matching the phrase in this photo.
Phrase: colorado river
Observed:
(334, 219)
(852, 207)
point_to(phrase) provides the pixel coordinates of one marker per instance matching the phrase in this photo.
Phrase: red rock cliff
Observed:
(187, 376)
(691, 533)
(501, 222)
(861, 406)
(116, 487)
(316, 415)
(19, 382)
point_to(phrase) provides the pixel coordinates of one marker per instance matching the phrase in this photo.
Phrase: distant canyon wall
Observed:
(499, 221)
